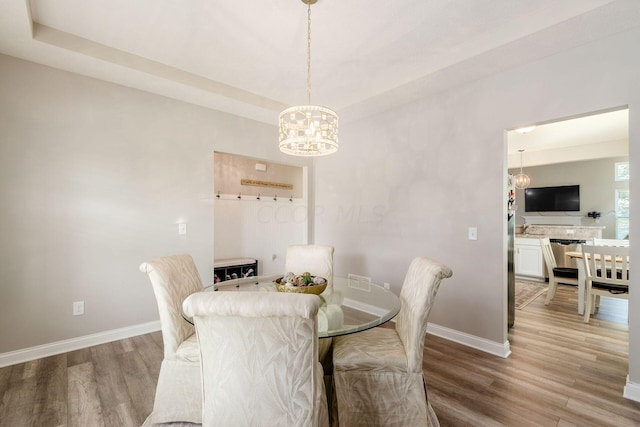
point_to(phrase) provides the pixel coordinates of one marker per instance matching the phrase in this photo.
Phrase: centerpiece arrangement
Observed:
(302, 283)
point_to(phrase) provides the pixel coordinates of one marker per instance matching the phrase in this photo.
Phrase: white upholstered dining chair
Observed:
(177, 397)
(567, 275)
(316, 259)
(377, 373)
(606, 270)
(259, 359)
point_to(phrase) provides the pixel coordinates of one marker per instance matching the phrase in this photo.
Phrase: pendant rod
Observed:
(309, 53)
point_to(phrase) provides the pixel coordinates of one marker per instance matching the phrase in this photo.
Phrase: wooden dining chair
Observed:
(556, 274)
(378, 375)
(610, 242)
(606, 274)
(259, 359)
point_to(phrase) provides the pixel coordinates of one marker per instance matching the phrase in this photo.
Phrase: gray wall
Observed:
(94, 178)
(597, 189)
(416, 177)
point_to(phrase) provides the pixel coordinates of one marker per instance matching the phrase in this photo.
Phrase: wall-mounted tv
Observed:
(552, 199)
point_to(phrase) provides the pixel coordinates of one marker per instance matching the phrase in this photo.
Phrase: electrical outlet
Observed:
(387, 286)
(78, 308)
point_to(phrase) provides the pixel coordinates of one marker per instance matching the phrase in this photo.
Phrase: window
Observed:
(622, 214)
(622, 202)
(622, 171)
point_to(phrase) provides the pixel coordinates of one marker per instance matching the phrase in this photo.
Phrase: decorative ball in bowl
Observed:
(303, 283)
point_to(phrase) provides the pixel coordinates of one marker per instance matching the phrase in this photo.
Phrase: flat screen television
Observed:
(552, 199)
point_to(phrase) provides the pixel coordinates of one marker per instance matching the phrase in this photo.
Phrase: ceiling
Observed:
(249, 58)
(593, 136)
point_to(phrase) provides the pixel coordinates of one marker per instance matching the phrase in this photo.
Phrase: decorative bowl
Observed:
(308, 289)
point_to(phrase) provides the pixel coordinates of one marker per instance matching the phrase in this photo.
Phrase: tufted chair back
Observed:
(316, 259)
(418, 292)
(259, 358)
(173, 279)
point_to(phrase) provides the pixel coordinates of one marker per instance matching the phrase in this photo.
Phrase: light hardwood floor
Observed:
(562, 372)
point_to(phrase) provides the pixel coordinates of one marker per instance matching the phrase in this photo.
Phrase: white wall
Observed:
(94, 178)
(597, 189)
(420, 175)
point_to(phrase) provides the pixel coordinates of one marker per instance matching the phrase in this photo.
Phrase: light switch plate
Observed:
(473, 233)
(182, 228)
(78, 308)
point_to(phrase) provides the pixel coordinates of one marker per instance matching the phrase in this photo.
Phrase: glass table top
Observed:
(355, 304)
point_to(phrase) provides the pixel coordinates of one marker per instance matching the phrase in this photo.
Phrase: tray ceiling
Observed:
(248, 58)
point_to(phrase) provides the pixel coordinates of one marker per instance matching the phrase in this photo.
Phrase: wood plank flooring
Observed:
(110, 385)
(562, 372)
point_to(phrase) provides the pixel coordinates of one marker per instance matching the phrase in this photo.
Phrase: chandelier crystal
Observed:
(522, 181)
(308, 130)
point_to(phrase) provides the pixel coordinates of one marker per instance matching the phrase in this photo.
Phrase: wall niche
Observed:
(234, 175)
(258, 221)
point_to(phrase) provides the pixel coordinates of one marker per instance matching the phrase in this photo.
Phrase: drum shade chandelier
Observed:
(522, 181)
(308, 130)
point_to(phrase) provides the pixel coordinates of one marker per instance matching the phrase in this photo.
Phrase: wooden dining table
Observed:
(581, 277)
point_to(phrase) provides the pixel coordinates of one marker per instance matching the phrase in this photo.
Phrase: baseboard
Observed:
(367, 308)
(632, 390)
(45, 350)
(482, 344)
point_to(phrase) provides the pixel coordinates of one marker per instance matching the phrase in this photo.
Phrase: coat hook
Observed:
(218, 195)
(291, 198)
(258, 198)
(275, 197)
(240, 195)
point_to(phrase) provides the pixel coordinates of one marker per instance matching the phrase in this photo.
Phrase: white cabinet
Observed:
(528, 258)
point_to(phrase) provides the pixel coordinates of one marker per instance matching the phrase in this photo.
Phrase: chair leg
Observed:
(588, 302)
(551, 291)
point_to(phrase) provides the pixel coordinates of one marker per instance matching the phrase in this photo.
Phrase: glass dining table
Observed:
(352, 304)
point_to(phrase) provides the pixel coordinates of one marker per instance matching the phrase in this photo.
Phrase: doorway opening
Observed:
(591, 152)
